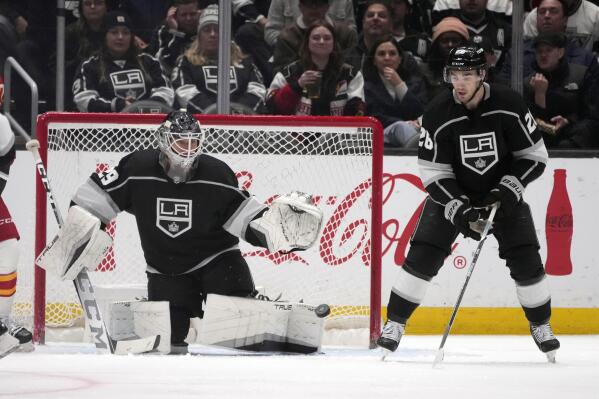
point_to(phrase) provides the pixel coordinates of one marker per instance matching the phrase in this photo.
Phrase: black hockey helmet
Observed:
(465, 58)
(180, 139)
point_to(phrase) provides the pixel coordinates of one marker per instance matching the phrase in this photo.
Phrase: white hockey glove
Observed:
(79, 243)
(291, 222)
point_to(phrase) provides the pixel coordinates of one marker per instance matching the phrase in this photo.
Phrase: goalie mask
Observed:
(180, 140)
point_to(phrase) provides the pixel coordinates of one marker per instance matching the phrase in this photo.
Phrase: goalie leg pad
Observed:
(130, 321)
(79, 243)
(291, 222)
(250, 324)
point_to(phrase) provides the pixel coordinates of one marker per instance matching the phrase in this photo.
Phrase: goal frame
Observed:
(46, 119)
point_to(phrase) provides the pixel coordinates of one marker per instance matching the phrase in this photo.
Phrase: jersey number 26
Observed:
(425, 139)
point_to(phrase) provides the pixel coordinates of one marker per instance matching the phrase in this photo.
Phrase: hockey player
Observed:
(9, 253)
(479, 145)
(190, 215)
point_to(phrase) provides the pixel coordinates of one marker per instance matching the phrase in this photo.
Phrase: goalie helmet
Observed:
(465, 58)
(180, 139)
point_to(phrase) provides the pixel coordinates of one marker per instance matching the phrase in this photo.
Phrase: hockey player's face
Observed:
(185, 146)
(548, 56)
(386, 56)
(118, 40)
(321, 41)
(208, 37)
(465, 83)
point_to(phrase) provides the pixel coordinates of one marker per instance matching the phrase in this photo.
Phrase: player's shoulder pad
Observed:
(506, 98)
(437, 110)
(140, 163)
(215, 170)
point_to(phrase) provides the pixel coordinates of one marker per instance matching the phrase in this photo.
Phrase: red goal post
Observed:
(336, 159)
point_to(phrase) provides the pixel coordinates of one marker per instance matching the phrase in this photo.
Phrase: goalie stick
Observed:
(440, 352)
(85, 290)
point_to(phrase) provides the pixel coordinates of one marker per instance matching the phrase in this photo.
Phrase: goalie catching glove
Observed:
(79, 243)
(291, 222)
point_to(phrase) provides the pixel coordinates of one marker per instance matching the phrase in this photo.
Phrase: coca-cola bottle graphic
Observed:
(559, 227)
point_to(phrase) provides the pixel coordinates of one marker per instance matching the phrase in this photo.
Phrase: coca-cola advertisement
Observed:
(562, 201)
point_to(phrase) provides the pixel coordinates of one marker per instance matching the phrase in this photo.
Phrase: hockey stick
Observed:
(488, 225)
(84, 287)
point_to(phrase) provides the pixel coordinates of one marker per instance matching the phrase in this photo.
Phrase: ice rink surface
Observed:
(506, 367)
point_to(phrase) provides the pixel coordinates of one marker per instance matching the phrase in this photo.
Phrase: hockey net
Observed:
(337, 160)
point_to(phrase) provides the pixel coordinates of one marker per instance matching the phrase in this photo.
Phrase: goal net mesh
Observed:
(331, 160)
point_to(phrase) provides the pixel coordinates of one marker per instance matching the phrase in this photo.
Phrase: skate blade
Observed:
(551, 356)
(385, 353)
(438, 358)
(26, 347)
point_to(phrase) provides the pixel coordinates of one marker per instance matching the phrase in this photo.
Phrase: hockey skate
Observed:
(390, 337)
(23, 335)
(545, 340)
(8, 343)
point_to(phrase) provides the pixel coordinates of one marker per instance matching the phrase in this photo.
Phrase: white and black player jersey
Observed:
(182, 226)
(196, 86)
(103, 85)
(467, 152)
(7, 150)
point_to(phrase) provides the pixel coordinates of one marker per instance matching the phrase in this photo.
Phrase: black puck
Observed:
(322, 310)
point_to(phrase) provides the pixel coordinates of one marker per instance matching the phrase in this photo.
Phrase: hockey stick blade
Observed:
(439, 357)
(136, 346)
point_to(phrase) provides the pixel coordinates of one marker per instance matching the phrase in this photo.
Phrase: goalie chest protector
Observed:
(180, 225)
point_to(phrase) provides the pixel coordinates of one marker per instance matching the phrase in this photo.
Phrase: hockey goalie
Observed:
(196, 252)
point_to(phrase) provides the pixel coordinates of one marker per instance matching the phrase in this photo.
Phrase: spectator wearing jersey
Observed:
(177, 33)
(552, 18)
(319, 82)
(393, 95)
(414, 42)
(119, 75)
(196, 76)
(560, 96)
(501, 9)
(447, 34)
(582, 23)
(291, 38)
(484, 23)
(83, 38)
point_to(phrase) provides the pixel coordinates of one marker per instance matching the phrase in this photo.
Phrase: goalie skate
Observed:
(545, 339)
(390, 337)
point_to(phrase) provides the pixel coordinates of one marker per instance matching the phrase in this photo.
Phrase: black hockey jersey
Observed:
(168, 45)
(196, 85)
(466, 152)
(103, 85)
(182, 226)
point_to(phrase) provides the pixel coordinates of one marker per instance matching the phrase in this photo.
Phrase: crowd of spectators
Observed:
(382, 58)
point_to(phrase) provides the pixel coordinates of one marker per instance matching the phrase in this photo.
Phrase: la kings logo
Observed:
(211, 78)
(173, 216)
(129, 83)
(479, 151)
